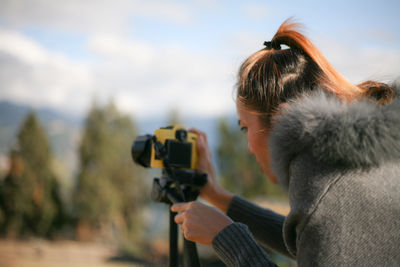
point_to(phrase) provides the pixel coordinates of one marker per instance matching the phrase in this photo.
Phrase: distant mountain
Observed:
(12, 113)
(64, 130)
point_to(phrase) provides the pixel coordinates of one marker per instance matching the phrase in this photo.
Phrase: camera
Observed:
(173, 144)
(173, 149)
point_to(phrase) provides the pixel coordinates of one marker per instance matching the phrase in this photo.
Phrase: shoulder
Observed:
(337, 159)
(356, 135)
(352, 220)
(336, 212)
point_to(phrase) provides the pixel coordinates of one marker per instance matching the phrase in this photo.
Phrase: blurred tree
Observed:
(13, 199)
(174, 117)
(239, 171)
(30, 193)
(110, 189)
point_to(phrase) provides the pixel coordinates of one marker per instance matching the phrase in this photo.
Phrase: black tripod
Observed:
(178, 186)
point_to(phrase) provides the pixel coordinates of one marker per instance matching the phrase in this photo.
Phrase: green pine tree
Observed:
(174, 118)
(30, 192)
(110, 189)
(238, 170)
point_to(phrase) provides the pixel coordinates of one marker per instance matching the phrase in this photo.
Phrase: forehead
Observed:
(245, 115)
(241, 112)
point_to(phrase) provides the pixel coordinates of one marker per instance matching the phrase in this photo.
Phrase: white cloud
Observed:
(360, 62)
(142, 79)
(114, 48)
(92, 15)
(31, 74)
(256, 11)
(149, 80)
(21, 48)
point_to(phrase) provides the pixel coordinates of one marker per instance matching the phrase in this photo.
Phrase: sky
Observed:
(153, 56)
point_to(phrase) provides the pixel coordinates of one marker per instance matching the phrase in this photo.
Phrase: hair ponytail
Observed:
(330, 79)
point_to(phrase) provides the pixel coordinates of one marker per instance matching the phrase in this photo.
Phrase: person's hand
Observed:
(199, 223)
(204, 163)
(211, 191)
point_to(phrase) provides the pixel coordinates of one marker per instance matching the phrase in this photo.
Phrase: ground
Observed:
(67, 253)
(41, 253)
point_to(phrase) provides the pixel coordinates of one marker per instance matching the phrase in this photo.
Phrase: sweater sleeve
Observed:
(264, 224)
(235, 246)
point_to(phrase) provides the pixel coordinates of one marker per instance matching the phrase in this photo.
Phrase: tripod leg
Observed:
(190, 257)
(173, 240)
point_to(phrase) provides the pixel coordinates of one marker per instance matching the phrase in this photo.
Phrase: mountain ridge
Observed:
(64, 130)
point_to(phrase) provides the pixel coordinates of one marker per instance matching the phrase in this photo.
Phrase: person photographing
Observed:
(334, 146)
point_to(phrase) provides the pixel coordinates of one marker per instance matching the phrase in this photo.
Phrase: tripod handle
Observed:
(173, 241)
(190, 256)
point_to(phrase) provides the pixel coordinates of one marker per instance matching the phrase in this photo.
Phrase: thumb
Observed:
(201, 145)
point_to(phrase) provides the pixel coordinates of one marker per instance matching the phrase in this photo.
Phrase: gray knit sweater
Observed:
(341, 166)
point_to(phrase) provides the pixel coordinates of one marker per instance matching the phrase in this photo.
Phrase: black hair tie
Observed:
(272, 45)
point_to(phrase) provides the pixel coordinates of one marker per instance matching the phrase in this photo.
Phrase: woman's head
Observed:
(273, 76)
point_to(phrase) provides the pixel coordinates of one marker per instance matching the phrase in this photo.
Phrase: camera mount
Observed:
(174, 186)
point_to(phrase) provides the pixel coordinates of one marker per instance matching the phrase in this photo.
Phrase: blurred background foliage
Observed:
(30, 194)
(110, 191)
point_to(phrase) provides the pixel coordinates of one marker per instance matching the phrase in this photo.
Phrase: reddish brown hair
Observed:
(273, 76)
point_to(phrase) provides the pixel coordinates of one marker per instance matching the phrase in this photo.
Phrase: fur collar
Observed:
(356, 135)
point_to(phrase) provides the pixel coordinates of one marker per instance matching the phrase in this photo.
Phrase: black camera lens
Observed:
(141, 150)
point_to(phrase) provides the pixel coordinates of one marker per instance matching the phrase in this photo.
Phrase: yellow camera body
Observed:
(180, 146)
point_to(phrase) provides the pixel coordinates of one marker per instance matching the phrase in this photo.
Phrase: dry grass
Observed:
(280, 207)
(40, 253)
